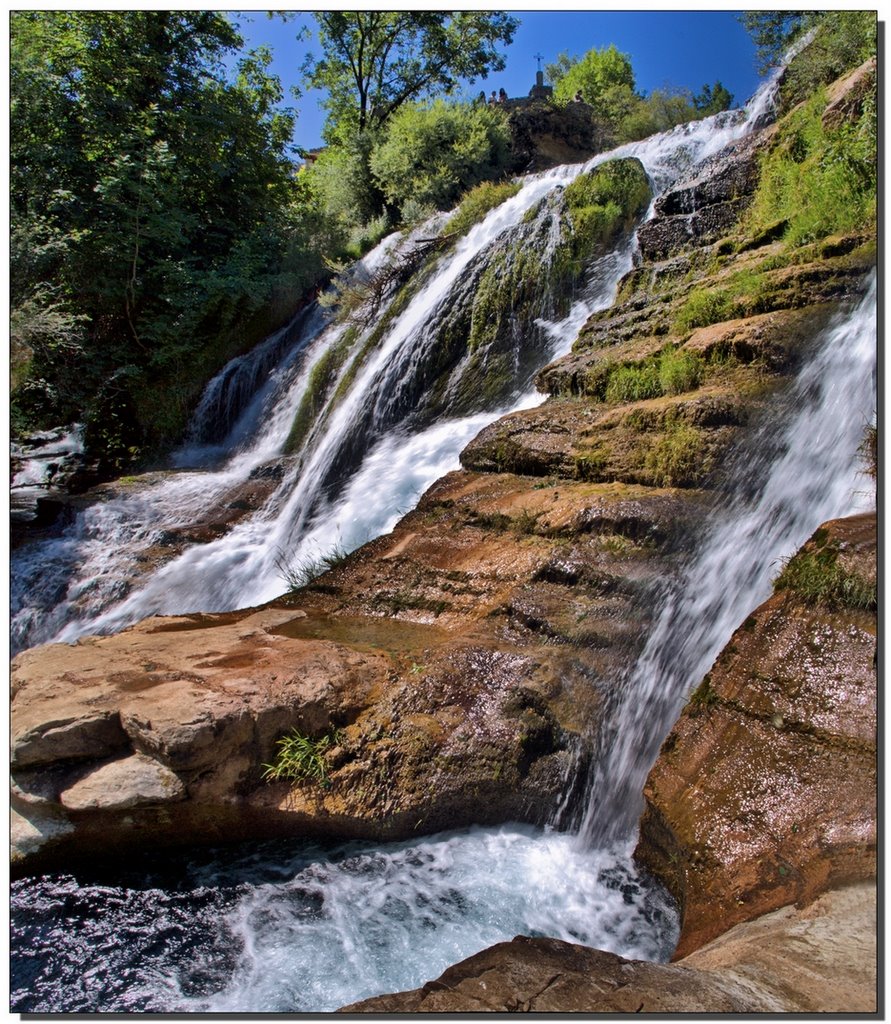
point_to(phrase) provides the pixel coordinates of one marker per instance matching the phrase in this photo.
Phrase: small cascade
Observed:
(804, 470)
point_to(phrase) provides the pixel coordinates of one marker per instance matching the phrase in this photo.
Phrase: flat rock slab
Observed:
(821, 959)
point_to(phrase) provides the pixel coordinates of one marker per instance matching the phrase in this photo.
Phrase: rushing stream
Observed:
(287, 927)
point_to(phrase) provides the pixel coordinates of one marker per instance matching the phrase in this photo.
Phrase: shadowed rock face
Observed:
(764, 793)
(820, 959)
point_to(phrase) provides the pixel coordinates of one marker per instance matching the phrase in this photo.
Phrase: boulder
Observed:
(450, 673)
(764, 793)
(818, 960)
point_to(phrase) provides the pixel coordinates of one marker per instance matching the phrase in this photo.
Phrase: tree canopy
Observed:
(375, 61)
(152, 195)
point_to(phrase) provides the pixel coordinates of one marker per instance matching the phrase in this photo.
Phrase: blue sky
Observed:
(679, 48)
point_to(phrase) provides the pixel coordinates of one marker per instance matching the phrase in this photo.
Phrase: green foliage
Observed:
(374, 62)
(160, 194)
(592, 75)
(713, 99)
(773, 33)
(678, 458)
(817, 576)
(301, 757)
(818, 181)
(659, 112)
(478, 202)
(434, 153)
(842, 41)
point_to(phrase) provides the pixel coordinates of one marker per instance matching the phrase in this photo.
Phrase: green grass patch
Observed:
(672, 372)
(818, 181)
(301, 757)
(679, 458)
(818, 578)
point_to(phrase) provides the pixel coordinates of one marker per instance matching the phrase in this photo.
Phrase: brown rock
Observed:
(819, 960)
(454, 658)
(127, 782)
(845, 97)
(764, 793)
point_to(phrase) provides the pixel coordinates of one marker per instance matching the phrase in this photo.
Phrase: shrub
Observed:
(431, 154)
(869, 450)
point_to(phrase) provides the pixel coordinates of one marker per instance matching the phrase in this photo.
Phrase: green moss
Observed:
(477, 203)
(602, 203)
(320, 381)
(679, 458)
(591, 465)
(703, 697)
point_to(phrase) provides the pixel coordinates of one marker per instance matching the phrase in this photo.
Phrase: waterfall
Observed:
(805, 469)
(91, 578)
(294, 928)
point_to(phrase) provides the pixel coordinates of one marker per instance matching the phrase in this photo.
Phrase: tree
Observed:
(713, 99)
(773, 33)
(432, 154)
(375, 61)
(155, 195)
(593, 75)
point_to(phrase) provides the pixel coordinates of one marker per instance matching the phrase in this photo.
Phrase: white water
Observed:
(319, 930)
(90, 580)
(805, 470)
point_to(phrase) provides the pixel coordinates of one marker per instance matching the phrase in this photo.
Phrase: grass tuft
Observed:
(300, 757)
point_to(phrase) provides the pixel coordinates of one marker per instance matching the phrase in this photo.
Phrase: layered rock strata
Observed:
(453, 670)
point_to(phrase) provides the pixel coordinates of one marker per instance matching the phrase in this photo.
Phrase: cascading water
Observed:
(89, 579)
(273, 929)
(805, 471)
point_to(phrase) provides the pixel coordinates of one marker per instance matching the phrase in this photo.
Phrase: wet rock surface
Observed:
(456, 666)
(764, 793)
(820, 959)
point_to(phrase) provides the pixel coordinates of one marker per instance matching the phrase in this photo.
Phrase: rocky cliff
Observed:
(455, 670)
